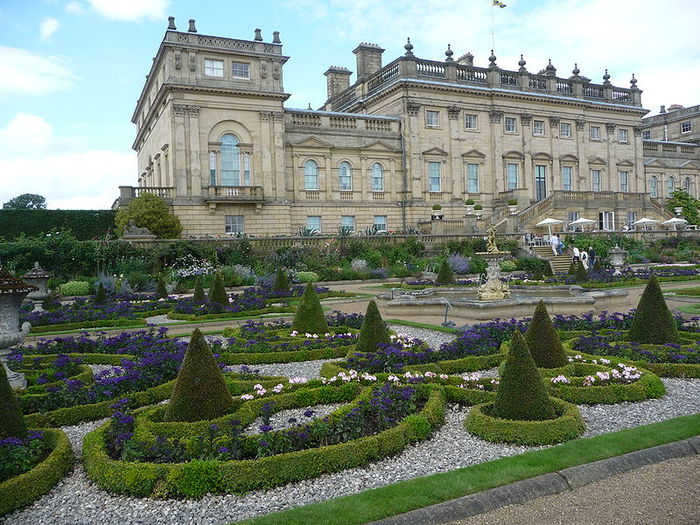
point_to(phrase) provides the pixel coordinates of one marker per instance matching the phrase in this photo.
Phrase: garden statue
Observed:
(493, 289)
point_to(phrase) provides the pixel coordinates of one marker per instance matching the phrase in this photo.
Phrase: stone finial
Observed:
(522, 63)
(192, 28)
(550, 70)
(258, 35)
(408, 47)
(576, 70)
(449, 54)
(492, 60)
(171, 24)
(606, 78)
(633, 82)
(276, 37)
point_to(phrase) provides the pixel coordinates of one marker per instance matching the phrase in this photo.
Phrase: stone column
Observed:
(180, 146)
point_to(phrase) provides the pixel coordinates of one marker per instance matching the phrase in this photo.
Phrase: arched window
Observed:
(654, 186)
(310, 175)
(377, 177)
(345, 176)
(235, 166)
(670, 186)
(686, 184)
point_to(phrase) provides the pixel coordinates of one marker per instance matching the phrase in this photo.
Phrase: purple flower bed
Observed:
(19, 455)
(82, 310)
(611, 343)
(431, 282)
(606, 275)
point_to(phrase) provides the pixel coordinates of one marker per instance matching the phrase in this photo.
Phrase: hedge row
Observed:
(20, 491)
(106, 323)
(231, 315)
(196, 478)
(84, 224)
(568, 425)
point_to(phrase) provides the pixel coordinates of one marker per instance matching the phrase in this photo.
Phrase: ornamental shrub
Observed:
(581, 275)
(281, 283)
(596, 266)
(538, 276)
(200, 391)
(101, 295)
(161, 290)
(11, 420)
(547, 272)
(307, 277)
(217, 292)
(75, 288)
(445, 275)
(521, 393)
(309, 317)
(152, 212)
(572, 269)
(653, 322)
(373, 330)
(199, 295)
(543, 340)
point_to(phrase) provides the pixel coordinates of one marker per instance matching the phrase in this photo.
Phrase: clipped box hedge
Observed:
(20, 491)
(194, 479)
(106, 323)
(230, 315)
(568, 425)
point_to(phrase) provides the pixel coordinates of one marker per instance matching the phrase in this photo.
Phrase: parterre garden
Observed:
(186, 419)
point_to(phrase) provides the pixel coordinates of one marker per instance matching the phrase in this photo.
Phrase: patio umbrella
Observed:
(644, 221)
(581, 222)
(548, 223)
(675, 221)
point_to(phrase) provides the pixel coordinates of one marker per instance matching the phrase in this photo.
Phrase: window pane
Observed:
(654, 187)
(313, 222)
(566, 177)
(510, 125)
(512, 176)
(345, 176)
(380, 222)
(538, 127)
(595, 133)
(565, 130)
(434, 177)
(234, 224)
(214, 68)
(212, 168)
(240, 70)
(230, 161)
(470, 121)
(377, 177)
(624, 177)
(347, 223)
(622, 135)
(472, 178)
(310, 175)
(670, 186)
(595, 180)
(432, 118)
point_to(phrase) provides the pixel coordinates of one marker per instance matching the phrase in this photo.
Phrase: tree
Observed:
(200, 391)
(198, 295)
(281, 284)
(521, 394)
(543, 340)
(309, 316)
(11, 420)
(26, 201)
(653, 323)
(445, 275)
(152, 212)
(580, 275)
(217, 292)
(689, 204)
(373, 330)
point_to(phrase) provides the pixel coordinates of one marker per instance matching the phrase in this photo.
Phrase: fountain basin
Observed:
(464, 302)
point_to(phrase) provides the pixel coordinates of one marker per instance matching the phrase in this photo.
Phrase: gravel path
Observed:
(280, 420)
(76, 500)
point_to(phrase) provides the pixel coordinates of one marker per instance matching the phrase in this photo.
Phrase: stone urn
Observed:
(513, 209)
(38, 277)
(617, 259)
(12, 293)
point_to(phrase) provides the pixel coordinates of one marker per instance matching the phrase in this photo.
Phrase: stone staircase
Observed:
(560, 263)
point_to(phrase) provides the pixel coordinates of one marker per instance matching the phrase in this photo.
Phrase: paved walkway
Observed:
(667, 493)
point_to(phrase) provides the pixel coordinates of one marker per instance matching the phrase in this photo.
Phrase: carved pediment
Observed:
(514, 154)
(597, 161)
(378, 145)
(313, 142)
(626, 163)
(542, 156)
(657, 163)
(436, 151)
(568, 158)
(474, 154)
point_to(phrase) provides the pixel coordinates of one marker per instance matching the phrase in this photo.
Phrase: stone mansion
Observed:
(215, 140)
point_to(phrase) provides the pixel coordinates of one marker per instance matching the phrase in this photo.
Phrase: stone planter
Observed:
(38, 277)
(12, 293)
(470, 208)
(617, 259)
(513, 209)
(437, 216)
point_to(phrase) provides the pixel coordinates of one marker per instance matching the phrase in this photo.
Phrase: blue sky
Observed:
(73, 69)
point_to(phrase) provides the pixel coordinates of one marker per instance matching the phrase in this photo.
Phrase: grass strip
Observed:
(689, 308)
(417, 493)
(426, 326)
(694, 291)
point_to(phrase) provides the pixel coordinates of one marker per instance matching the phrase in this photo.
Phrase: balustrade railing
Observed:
(386, 74)
(473, 75)
(537, 83)
(622, 95)
(164, 192)
(565, 87)
(428, 68)
(509, 79)
(236, 193)
(343, 122)
(306, 119)
(591, 91)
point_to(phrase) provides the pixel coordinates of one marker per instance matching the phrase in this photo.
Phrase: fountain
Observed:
(493, 289)
(12, 292)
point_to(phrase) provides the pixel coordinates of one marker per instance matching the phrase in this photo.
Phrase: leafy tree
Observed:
(152, 212)
(521, 394)
(653, 322)
(309, 317)
(543, 340)
(11, 420)
(373, 330)
(26, 201)
(200, 391)
(686, 201)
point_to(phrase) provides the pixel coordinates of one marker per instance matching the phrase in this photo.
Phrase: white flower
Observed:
(298, 380)
(246, 397)
(294, 333)
(444, 376)
(560, 379)
(261, 392)
(393, 378)
(258, 387)
(278, 388)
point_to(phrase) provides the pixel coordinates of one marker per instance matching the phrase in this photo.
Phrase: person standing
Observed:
(554, 243)
(584, 259)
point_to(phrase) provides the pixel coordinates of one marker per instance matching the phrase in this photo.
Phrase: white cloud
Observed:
(131, 10)
(28, 73)
(75, 8)
(48, 27)
(62, 169)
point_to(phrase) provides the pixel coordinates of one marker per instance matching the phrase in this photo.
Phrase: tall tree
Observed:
(152, 212)
(26, 201)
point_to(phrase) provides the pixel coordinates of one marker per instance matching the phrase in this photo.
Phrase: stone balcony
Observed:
(129, 193)
(234, 195)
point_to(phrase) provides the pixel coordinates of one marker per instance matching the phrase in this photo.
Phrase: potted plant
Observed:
(469, 203)
(437, 214)
(513, 206)
(478, 210)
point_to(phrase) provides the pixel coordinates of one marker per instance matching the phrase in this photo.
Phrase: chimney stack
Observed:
(337, 80)
(369, 60)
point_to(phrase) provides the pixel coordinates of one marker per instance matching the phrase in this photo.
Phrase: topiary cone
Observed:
(11, 419)
(217, 293)
(200, 390)
(572, 269)
(581, 275)
(521, 394)
(198, 295)
(161, 290)
(101, 295)
(281, 283)
(653, 322)
(543, 340)
(309, 317)
(444, 275)
(373, 330)
(547, 272)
